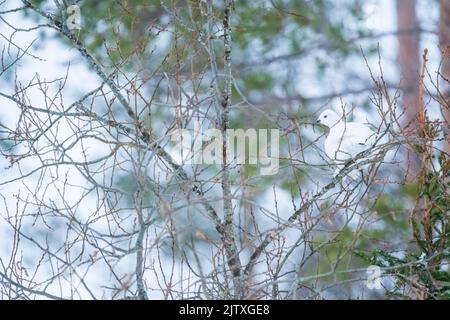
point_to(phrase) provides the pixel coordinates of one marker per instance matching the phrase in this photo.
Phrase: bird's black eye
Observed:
(325, 116)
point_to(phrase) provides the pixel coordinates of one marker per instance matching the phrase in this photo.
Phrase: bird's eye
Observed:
(325, 116)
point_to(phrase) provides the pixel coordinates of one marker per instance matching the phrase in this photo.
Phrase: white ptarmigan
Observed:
(345, 139)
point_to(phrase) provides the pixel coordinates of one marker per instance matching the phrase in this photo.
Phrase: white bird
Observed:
(345, 139)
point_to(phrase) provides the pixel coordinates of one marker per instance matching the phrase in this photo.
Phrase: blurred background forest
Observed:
(95, 206)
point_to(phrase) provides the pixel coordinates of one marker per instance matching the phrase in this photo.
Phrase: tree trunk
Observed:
(444, 42)
(408, 60)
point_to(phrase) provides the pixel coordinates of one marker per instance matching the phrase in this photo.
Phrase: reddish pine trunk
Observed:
(444, 42)
(408, 60)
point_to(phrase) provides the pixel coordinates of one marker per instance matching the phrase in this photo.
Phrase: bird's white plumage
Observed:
(345, 139)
